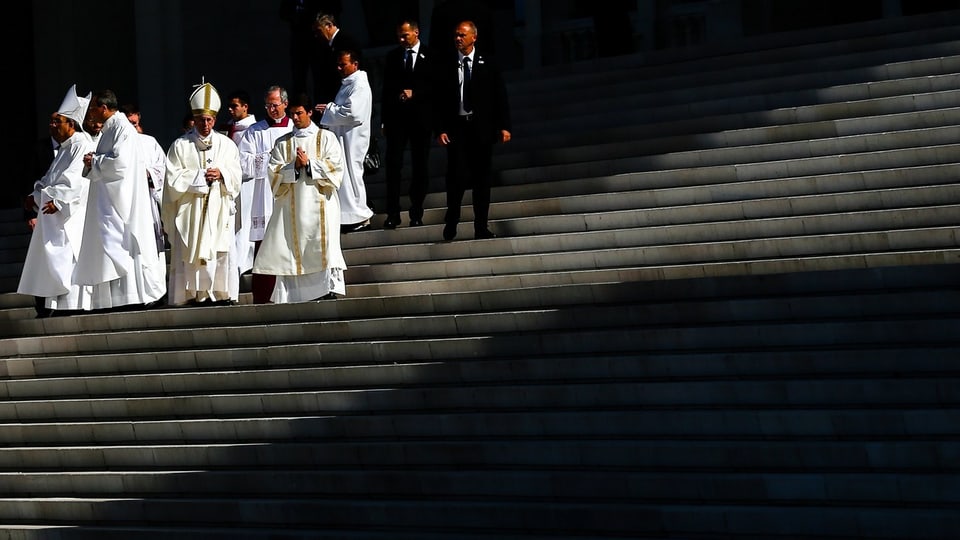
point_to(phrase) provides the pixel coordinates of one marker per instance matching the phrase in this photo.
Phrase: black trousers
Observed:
(418, 139)
(468, 167)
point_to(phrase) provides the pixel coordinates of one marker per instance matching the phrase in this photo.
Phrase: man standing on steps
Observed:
(202, 184)
(472, 115)
(405, 118)
(348, 117)
(301, 245)
(119, 249)
(256, 200)
(60, 200)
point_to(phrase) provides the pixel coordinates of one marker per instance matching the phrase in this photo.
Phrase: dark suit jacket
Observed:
(326, 82)
(395, 113)
(491, 108)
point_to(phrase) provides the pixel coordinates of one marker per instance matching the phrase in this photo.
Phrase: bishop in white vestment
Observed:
(61, 201)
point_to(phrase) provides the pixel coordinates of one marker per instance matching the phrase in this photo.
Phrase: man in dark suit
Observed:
(472, 115)
(332, 40)
(405, 118)
(300, 15)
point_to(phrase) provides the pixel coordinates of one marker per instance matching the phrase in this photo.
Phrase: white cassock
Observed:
(348, 116)
(200, 218)
(256, 201)
(302, 241)
(56, 239)
(155, 160)
(119, 248)
(237, 128)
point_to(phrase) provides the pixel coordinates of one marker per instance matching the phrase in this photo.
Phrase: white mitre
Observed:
(205, 100)
(74, 107)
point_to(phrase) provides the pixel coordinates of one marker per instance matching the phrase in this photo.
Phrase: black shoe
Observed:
(483, 234)
(355, 227)
(328, 296)
(391, 223)
(416, 222)
(449, 231)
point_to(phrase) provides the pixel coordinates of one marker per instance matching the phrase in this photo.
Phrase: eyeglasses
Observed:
(272, 106)
(56, 121)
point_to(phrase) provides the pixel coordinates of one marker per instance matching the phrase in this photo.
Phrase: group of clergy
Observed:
(93, 247)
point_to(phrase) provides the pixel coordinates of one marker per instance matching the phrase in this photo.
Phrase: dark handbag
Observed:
(371, 162)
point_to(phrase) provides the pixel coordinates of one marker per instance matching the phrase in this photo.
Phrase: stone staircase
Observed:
(725, 304)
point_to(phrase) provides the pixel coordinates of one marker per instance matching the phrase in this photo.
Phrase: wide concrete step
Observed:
(476, 260)
(553, 331)
(704, 455)
(199, 532)
(664, 188)
(856, 394)
(638, 140)
(284, 373)
(688, 224)
(686, 205)
(800, 154)
(426, 290)
(513, 516)
(574, 485)
(847, 118)
(660, 272)
(864, 279)
(766, 424)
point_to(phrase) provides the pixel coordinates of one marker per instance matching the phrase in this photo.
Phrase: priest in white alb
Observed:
(301, 244)
(119, 252)
(256, 201)
(202, 183)
(348, 116)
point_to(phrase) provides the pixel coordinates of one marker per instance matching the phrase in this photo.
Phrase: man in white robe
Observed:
(256, 200)
(348, 116)
(60, 198)
(155, 160)
(301, 245)
(202, 183)
(119, 247)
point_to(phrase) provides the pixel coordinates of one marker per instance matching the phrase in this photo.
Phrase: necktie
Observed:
(467, 106)
(408, 61)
